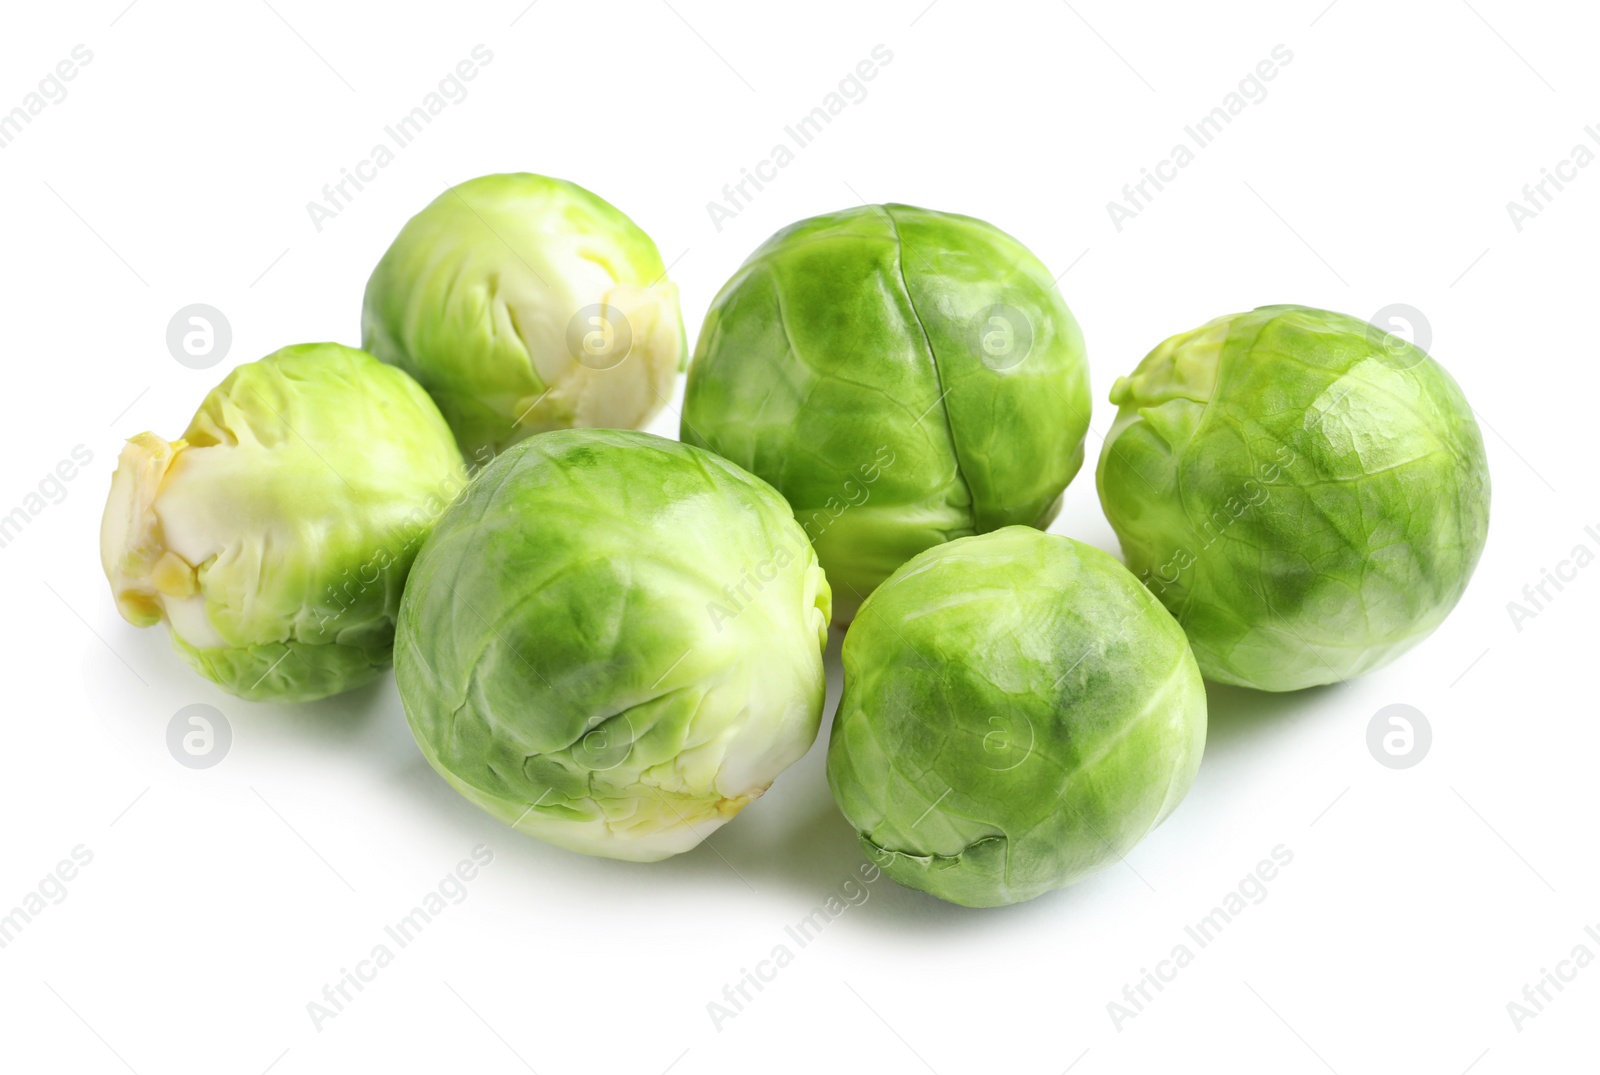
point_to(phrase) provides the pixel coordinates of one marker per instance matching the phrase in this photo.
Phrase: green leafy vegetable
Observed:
(1018, 712)
(1307, 494)
(274, 537)
(614, 642)
(901, 376)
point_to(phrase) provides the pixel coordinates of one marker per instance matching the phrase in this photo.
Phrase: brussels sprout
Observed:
(274, 537)
(1017, 713)
(1307, 494)
(524, 303)
(901, 376)
(614, 642)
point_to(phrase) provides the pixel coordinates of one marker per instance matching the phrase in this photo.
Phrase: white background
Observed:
(1376, 171)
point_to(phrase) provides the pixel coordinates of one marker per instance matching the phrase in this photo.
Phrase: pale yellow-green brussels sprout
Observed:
(524, 303)
(274, 536)
(613, 642)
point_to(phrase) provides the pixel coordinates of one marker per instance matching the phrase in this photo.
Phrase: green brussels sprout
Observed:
(524, 303)
(614, 642)
(275, 535)
(1306, 493)
(903, 377)
(1018, 712)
